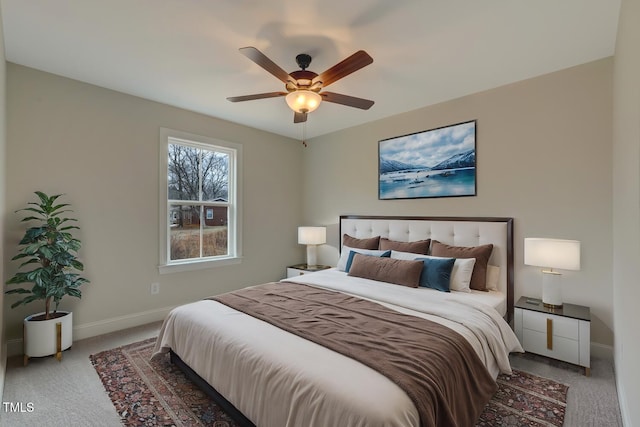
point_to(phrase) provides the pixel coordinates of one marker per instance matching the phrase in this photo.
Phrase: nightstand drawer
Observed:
(561, 348)
(560, 326)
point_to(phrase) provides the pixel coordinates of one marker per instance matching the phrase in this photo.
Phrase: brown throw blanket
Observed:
(435, 366)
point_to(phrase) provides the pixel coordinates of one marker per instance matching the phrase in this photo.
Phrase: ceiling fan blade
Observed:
(256, 96)
(342, 69)
(299, 117)
(350, 101)
(262, 60)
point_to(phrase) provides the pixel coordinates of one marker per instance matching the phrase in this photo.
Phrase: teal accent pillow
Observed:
(385, 254)
(436, 273)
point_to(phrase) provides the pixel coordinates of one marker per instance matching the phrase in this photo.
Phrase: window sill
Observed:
(197, 265)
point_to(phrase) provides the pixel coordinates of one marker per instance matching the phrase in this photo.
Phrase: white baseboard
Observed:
(602, 351)
(101, 327)
(622, 401)
(114, 324)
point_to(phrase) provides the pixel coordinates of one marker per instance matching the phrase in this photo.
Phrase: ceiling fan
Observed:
(303, 87)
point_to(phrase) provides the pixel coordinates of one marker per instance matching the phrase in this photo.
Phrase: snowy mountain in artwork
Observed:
(387, 165)
(466, 159)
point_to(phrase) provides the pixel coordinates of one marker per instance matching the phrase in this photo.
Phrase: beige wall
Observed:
(626, 210)
(3, 73)
(100, 148)
(543, 156)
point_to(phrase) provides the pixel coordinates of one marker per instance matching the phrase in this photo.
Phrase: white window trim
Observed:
(235, 214)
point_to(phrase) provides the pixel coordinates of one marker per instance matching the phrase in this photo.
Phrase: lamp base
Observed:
(553, 306)
(551, 289)
(312, 256)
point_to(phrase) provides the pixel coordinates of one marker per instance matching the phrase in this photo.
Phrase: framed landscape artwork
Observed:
(433, 163)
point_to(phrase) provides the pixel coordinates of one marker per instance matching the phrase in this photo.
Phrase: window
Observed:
(199, 201)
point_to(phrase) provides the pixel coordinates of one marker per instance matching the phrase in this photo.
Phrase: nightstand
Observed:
(560, 333)
(300, 269)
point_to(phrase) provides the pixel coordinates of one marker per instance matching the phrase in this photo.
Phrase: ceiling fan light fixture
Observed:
(303, 101)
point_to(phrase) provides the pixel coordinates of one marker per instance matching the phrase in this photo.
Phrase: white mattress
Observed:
(278, 379)
(495, 299)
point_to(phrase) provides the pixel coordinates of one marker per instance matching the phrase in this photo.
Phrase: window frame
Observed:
(234, 223)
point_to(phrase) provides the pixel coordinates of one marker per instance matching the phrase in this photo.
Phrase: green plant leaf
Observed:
(18, 278)
(33, 234)
(74, 292)
(38, 211)
(44, 199)
(17, 291)
(60, 206)
(30, 218)
(69, 227)
(74, 245)
(30, 261)
(24, 301)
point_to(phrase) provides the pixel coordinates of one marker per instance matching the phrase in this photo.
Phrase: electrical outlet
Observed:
(155, 288)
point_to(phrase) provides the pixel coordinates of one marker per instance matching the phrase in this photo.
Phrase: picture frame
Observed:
(438, 162)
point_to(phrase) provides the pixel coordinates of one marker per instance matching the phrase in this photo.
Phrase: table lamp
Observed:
(312, 237)
(552, 253)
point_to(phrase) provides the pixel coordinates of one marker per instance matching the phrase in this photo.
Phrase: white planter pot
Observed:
(40, 336)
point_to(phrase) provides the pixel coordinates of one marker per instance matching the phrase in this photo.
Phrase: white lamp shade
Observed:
(312, 235)
(303, 101)
(552, 253)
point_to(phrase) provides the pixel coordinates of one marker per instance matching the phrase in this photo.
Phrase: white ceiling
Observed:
(185, 52)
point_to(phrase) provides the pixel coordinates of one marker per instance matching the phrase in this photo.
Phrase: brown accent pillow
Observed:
(390, 270)
(352, 242)
(417, 247)
(480, 253)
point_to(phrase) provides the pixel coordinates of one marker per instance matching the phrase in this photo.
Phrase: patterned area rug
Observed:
(156, 393)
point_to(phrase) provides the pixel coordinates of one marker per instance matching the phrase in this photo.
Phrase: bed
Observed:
(271, 375)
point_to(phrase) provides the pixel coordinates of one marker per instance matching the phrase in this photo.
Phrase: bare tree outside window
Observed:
(197, 182)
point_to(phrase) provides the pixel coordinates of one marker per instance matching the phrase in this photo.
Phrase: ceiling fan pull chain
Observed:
(304, 134)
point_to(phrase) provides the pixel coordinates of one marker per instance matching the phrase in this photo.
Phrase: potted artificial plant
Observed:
(48, 252)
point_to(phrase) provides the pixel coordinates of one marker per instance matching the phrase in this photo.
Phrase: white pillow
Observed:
(493, 275)
(344, 255)
(410, 256)
(460, 275)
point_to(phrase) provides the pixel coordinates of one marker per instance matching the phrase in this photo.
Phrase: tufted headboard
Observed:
(458, 231)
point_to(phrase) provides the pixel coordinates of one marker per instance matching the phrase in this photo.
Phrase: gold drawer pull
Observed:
(550, 334)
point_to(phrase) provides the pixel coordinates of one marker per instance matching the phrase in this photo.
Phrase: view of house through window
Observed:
(199, 183)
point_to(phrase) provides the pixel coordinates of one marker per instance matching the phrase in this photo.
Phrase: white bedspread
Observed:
(278, 379)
